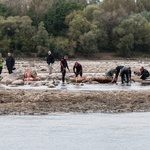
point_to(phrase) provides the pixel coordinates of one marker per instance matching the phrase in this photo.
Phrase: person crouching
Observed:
(77, 69)
(144, 73)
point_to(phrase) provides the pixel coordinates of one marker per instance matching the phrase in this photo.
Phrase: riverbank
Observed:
(36, 102)
(45, 101)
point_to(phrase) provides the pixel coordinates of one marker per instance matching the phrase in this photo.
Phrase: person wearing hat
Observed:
(77, 69)
(50, 61)
(144, 73)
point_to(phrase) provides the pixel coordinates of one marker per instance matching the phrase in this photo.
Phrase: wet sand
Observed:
(31, 102)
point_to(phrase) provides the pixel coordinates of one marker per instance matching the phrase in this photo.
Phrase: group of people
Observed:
(10, 63)
(77, 68)
(125, 74)
(123, 71)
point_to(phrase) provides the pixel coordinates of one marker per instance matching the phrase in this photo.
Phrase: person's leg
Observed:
(50, 68)
(143, 77)
(9, 70)
(122, 77)
(81, 74)
(63, 75)
(76, 78)
(127, 77)
(0, 70)
(116, 76)
(147, 75)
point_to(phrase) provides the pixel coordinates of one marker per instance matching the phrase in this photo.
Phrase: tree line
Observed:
(75, 27)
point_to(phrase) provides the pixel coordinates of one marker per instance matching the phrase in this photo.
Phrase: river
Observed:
(85, 86)
(94, 131)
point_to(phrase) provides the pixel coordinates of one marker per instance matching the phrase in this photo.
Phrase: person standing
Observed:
(77, 69)
(10, 62)
(64, 65)
(50, 61)
(144, 73)
(1, 64)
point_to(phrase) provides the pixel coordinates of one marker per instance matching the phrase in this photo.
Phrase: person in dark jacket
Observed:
(125, 73)
(50, 61)
(77, 69)
(1, 64)
(118, 69)
(64, 65)
(144, 73)
(10, 62)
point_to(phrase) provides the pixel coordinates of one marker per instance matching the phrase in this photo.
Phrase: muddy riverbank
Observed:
(36, 102)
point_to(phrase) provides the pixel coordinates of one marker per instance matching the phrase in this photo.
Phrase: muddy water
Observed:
(128, 131)
(97, 87)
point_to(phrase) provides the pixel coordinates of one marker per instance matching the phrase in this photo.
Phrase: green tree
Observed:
(37, 9)
(42, 35)
(42, 40)
(89, 12)
(81, 24)
(143, 5)
(54, 19)
(88, 43)
(61, 46)
(125, 45)
(146, 14)
(110, 15)
(5, 10)
(137, 28)
(19, 32)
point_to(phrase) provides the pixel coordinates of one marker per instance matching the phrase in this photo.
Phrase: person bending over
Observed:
(77, 69)
(118, 69)
(110, 74)
(125, 73)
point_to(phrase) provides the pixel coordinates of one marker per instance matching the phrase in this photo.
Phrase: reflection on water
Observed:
(130, 131)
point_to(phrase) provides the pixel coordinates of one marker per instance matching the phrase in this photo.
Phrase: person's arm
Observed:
(47, 60)
(61, 64)
(67, 66)
(53, 59)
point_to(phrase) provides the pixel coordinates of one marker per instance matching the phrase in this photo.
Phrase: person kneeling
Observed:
(144, 73)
